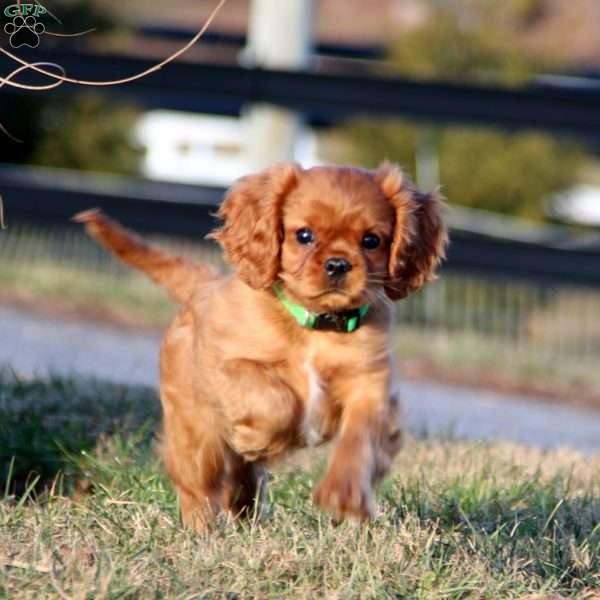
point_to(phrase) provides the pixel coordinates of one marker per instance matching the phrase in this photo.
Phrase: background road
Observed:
(38, 345)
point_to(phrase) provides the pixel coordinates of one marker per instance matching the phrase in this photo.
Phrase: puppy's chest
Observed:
(321, 413)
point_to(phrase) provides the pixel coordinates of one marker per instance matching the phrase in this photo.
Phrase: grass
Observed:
(129, 299)
(46, 424)
(455, 520)
(467, 358)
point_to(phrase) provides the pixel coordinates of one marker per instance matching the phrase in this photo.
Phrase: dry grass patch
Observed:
(455, 520)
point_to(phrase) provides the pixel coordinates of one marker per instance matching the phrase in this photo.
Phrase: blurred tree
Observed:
(473, 40)
(20, 115)
(444, 50)
(89, 133)
(512, 174)
(368, 142)
(84, 131)
(81, 15)
(508, 173)
(80, 131)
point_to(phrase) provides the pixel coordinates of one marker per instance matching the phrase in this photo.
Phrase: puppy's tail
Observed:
(178, 276)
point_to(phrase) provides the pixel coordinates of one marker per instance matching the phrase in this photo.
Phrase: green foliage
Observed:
(83, 131)
(82, 15)
(473, 40)
(476, 40)
(506, 173)
(89, 133)
(367, 142)
(440, 49)
(511, 174)
(20, 115)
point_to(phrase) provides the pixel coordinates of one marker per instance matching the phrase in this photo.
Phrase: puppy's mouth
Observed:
(328, 296)
(342, 287)
(336, 299)
(330, 291)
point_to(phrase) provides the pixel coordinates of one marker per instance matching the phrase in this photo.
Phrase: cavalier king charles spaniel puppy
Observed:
(291, 349)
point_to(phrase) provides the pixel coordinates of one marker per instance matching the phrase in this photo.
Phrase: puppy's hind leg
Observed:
(215, 480)
(244, 487)
(193, 448)
(198, 476)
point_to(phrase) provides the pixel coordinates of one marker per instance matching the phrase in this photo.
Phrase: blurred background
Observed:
(497, 102)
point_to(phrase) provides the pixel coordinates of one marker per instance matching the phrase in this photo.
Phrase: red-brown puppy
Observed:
(293, 348)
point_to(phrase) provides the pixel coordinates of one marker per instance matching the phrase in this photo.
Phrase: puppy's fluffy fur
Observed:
(241, 381)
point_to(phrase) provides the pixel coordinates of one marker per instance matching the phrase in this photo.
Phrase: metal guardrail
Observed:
(51, 197)
(330, 98)
(513, 290)
(184, 210)
(355, 51)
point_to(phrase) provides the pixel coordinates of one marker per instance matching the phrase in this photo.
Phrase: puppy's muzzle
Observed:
(336, 268)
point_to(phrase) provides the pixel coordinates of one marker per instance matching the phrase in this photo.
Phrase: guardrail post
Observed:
(279, 37)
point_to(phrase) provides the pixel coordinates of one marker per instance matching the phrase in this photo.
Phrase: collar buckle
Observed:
(345, 321)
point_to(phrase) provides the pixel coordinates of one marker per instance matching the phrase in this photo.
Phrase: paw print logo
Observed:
(24, 31)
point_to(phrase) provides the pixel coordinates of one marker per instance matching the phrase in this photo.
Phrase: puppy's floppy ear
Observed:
(420, 236)
(251, 234)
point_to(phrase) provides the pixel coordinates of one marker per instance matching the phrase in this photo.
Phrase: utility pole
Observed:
(279, 37)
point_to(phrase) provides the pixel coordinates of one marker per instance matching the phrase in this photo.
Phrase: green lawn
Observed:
(455, 519)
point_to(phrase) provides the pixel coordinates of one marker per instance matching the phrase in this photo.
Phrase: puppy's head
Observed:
(336, 237)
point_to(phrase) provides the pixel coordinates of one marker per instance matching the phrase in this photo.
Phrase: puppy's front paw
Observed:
(345, 495)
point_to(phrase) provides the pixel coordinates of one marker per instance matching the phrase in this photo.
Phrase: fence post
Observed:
(279, 37)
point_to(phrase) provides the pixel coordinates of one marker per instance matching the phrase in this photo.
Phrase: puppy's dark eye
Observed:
(371, 241)
(305, 236)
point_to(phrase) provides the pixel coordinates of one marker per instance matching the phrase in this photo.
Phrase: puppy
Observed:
(293, 348)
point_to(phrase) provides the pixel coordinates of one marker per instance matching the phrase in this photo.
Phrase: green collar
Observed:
(345, 321)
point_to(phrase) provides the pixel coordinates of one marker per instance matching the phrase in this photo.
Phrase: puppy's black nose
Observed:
(337, 267)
